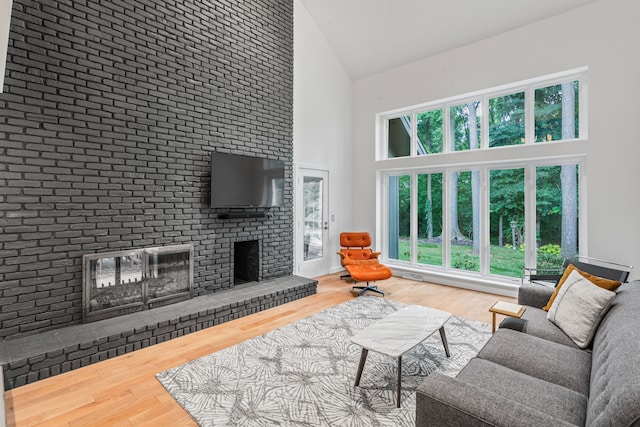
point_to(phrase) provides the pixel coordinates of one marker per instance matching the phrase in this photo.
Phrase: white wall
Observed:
(603, 36)
(322, 121)
(5, 23)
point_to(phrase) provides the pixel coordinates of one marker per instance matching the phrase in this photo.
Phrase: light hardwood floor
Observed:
(123, 391)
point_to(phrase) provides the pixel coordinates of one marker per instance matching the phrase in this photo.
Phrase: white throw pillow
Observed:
(579, 307)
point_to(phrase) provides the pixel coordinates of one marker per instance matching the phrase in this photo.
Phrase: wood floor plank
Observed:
(123, 391)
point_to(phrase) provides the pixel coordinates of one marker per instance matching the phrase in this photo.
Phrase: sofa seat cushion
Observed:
(554, 400)
(545, 360)
(538, 325)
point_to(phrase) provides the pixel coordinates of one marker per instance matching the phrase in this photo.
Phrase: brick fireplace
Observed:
(110, 112)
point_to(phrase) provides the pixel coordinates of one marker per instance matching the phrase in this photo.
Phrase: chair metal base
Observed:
(363, 289)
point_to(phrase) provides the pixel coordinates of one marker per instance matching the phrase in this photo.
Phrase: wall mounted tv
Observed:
(242, 181)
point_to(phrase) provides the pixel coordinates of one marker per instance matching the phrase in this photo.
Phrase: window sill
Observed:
(505, 287)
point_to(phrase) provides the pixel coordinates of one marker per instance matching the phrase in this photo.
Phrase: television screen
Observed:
(243, 181)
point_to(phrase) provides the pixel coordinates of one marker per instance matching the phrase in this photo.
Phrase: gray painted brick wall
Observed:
(110, 111)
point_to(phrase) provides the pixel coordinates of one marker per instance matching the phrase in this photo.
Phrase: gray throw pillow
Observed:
(579, 307)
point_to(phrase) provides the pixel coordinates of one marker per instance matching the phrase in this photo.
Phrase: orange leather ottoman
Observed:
(362, 272)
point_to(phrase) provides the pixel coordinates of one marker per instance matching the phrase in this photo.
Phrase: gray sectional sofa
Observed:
(539, 377)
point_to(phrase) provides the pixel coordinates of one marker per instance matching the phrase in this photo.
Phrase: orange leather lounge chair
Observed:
(361, 262)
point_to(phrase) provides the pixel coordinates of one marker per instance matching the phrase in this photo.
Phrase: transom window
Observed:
(477, 214)
(527, 114)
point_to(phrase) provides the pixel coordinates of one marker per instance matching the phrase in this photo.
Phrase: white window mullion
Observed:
(382, 206)
(484, 122)
(583, 94)
(529, 121)
(583, 238)
(530, 215)
(446, 214)
(446, 128)
(413, 145)
(413, 239)
(484, 222)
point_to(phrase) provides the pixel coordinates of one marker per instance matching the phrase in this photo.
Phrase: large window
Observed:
(497, 214)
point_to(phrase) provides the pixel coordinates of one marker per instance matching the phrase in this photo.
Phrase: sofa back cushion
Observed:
(614, 396)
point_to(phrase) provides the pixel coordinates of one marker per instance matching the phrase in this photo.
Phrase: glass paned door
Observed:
(312, 222)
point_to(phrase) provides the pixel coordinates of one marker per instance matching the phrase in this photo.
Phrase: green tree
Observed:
(506, 200)
(506, 120)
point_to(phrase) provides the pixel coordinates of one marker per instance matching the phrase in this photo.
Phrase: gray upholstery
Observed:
(538, 358)
(539, 326)
(540, 377)
(557, 401)
(443, 401)
(534, 295)
(614, 399)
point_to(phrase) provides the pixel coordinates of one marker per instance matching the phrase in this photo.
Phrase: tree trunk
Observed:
(568, 178)
(455, 233)
(500, 236)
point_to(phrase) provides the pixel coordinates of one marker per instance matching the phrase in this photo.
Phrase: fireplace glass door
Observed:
(115, 280)
(117, 283)
(169, 272)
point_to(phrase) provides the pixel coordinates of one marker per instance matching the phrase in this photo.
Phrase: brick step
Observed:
(36, 357)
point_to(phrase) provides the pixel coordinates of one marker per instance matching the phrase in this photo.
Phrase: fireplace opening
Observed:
(246, 262)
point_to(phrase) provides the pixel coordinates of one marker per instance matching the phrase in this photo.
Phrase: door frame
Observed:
(321, 266)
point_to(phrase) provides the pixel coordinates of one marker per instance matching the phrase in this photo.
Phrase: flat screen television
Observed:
(242, 181)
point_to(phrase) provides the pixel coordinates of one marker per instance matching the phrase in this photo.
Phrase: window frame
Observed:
(528, 87)
(484, 168)
(528, 156)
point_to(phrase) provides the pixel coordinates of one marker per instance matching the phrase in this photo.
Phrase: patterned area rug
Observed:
(303, 374)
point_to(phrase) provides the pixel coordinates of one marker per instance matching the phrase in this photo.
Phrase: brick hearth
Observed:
(32, 358)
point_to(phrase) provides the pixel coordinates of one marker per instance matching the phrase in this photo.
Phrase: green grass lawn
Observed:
(504, 261)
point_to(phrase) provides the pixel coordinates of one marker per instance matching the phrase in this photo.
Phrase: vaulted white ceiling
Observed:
(370, 36)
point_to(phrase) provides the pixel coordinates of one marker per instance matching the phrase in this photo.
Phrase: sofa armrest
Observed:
(534, 295)
(445, 401)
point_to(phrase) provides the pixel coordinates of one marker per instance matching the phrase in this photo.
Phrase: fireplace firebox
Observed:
(117, 283)
(246, 261)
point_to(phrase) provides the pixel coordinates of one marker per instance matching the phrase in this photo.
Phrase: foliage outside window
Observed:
(557, 112)
(555, 222)
(459, 126)
(465, 126)
(464, 223)
(506, 120)
(399, 217)
(507, 225)
(494, 213)
(430, 132)
(430, 219)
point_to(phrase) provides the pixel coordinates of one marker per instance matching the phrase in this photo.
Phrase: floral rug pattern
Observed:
(302, 374)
